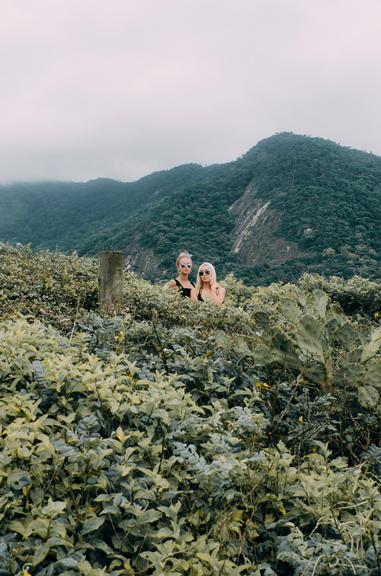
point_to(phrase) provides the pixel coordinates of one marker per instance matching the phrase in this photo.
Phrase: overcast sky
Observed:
(120, 88)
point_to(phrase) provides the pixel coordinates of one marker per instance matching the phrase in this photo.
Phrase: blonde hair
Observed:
(183, 254)
(213, 275)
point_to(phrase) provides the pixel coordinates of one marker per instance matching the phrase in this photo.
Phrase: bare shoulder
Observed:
(171, 284)
(219, 289)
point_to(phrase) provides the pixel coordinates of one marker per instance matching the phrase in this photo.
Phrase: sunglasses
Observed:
(185, 265)
(202, 272)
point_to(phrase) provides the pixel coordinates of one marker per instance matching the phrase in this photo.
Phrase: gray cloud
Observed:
(120, 88)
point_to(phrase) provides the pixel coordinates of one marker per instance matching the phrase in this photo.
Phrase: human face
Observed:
(185, 265)
(204, 275)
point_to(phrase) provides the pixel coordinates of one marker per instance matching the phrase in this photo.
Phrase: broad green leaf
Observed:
(92, 524)
(17, 526)
(39, 527)
(309, 338)
(319, 303)
(41, 553)
(372, 347)
(290, 309)
(368, 396)
(18, 479)
(53, 508)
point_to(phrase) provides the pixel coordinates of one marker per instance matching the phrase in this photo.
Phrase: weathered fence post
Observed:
(110, 293)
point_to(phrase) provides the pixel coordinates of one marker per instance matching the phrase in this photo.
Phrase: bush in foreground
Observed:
(184, 439)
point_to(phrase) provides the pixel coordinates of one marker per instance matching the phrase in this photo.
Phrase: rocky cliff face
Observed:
(256, 236)
(144, 261)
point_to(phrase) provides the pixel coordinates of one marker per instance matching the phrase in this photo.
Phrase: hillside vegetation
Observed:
(292, 204)
(64, 214)
(178, 438)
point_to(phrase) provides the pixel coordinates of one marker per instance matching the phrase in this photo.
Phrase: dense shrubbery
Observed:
(50, 286)
(183, 439)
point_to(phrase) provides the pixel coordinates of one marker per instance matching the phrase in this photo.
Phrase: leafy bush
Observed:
(180, 438)
(50, 286)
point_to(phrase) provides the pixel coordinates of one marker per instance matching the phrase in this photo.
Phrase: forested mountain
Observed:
(290, 204)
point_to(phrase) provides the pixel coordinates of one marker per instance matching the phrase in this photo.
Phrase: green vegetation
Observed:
(198, 217)
(324, 207)
(329, 198)
(179, 438)
(64, 215)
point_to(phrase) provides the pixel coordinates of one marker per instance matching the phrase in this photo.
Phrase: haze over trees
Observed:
(291, 204)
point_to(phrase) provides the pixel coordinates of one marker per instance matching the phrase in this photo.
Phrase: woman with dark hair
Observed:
(182, 283)
(208, 289)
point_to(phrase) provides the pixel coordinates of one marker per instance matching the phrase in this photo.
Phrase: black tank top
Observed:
(185, 292)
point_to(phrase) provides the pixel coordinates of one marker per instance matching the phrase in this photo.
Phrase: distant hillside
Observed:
(64, 214)
(291, 204)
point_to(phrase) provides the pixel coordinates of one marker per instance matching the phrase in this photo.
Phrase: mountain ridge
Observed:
(290, 204)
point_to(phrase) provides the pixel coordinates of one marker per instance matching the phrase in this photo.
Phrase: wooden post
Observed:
(110, 293)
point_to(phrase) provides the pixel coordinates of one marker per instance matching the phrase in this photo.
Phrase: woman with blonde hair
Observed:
(185, 287)
(208, 289)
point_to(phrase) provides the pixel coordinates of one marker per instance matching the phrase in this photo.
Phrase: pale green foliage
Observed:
(50, 286)
(183, 439)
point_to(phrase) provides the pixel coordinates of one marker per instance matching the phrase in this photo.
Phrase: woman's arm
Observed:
(170, 284)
